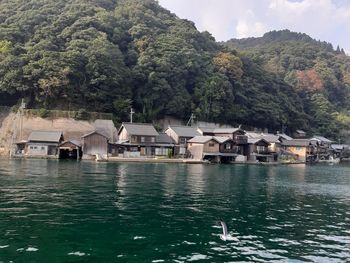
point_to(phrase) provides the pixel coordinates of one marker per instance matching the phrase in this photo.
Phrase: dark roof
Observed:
(321, 139)
(219, 130)
(164, 138)
(75, 142)
(45, 136)
(285, 136)
(94, 132)
(205, 139)
(270, 138)
(145, 129)
(297, 142)
(256, 140)
(185, 131)
(340, 146)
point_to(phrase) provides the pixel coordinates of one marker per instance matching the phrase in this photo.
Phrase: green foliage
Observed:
(318, 74)
(82, 114)
(44, 113)
(109, 56)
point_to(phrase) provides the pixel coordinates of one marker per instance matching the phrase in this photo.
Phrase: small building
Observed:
(258, 150)
(273, 140)
(181, 135)
(43, 144)
(70, 150)
(236, 134)
(94, 143)
(300, 149)
(137, 139)
(213, 148)
(323, 147)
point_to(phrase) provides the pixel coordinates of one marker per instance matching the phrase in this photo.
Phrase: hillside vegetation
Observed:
(319, 75)
(109, 55)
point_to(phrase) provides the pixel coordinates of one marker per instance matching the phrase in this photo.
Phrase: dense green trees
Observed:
(318, 74)
(110, 55)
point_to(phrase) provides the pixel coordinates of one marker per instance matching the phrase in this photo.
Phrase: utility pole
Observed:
(131, 114)
(190, 121)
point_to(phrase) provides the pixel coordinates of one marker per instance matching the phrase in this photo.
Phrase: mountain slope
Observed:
(110, 55)
(319, 75)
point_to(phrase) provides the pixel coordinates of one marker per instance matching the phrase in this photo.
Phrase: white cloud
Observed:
(327, 20)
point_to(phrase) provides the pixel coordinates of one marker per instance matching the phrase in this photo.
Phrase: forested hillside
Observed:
(319, 75)
(109, 55)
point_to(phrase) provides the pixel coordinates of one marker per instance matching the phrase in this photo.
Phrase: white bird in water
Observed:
(225, 235)
(224, 231)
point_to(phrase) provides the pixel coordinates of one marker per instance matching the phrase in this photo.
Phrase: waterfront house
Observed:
(70, 150)
(94, 143)
(181, 135)
(274, 144)
(341, 151)
(323, 147)
(137, 139)
(43, 144)
(258, 150)
(214, 148)
(299, 149)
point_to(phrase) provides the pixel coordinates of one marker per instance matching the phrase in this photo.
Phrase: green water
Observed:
(54, 211)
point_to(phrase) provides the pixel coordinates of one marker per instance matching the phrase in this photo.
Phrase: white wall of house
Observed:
(37, 149)
(196, 150)
(123, 135)
(172, 135)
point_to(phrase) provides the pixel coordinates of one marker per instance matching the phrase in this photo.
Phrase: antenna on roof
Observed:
(131, 114)
(190, 121)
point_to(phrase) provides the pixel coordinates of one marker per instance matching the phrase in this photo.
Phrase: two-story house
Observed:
(213, 148)
(181, 135)
(136, 139)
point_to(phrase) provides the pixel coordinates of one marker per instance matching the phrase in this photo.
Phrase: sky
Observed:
(325, 20)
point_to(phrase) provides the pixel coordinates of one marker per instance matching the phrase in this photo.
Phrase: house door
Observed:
(148, 151)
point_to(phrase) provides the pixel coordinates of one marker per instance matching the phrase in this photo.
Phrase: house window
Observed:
(228, 146)
(211, 144)
(298, 148)
(42, 148)
(182, 140)
(153, 139)
(260, 148)
(142, 139)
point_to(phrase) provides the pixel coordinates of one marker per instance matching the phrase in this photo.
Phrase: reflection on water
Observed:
(105, 212)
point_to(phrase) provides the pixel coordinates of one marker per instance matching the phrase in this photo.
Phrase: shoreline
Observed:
(155, 160)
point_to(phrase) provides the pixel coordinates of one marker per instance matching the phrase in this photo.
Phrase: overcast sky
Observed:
(326, 20)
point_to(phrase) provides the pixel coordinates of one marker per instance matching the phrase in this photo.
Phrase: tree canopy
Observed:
(110, 55)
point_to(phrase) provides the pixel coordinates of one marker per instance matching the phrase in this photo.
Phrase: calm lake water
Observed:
(54, 211)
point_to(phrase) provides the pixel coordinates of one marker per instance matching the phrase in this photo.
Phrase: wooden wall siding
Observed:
(95, 144)
(196, 150)
(138, 139)
(234, 148)
(214, 149)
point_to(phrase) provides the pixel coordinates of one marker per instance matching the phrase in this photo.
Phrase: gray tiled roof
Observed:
(185, 131)
(285, 136)
(45, 136)
(271, 138)
(164, 138)
(297, 142)
(218, 130)
(145, 129)
(205, 139)
(321, 138)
